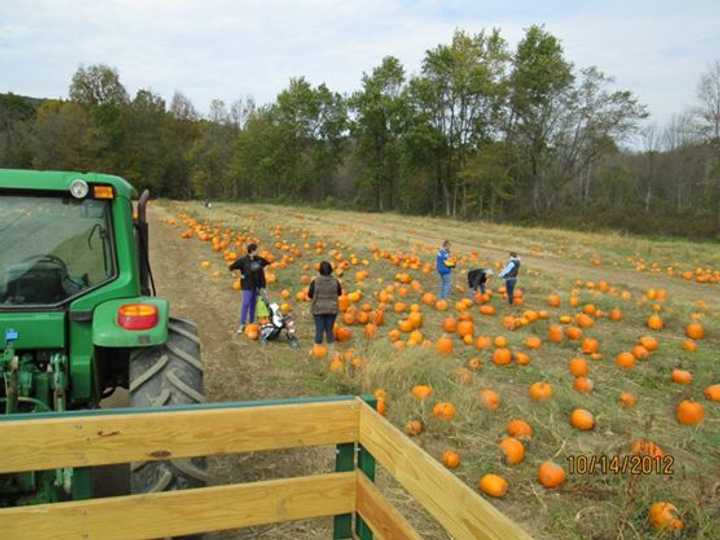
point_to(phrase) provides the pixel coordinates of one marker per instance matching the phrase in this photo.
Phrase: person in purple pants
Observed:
(251, 267)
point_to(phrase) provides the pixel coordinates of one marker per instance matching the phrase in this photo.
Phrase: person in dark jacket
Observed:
(251, 267)
(324, 291)
(478, 278)
(510, 275)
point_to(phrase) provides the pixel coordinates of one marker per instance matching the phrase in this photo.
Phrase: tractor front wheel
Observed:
(169, 374)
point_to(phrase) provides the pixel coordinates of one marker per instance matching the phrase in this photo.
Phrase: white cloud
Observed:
(228, 49)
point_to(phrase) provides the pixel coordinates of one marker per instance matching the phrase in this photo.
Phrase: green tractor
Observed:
(79, 319)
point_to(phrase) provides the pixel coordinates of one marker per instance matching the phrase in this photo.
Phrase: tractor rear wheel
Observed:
(169, 374)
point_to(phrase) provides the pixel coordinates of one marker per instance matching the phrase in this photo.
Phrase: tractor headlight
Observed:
(79, 189)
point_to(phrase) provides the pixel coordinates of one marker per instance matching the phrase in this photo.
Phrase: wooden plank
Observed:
(37, 444)
(461, 511)
(191, 511)
(384, 520)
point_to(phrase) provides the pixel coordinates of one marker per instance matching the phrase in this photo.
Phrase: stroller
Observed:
(273, 322)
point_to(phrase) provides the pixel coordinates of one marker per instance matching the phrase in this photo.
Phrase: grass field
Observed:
(676, 280)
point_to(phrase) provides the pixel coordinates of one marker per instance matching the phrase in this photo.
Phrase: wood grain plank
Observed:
(384, 520)
(30, 445)
(462, 512)
(191, 511)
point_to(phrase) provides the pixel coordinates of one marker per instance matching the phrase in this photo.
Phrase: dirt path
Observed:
(234, 370)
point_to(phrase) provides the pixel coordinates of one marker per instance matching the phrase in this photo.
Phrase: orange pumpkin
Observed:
(465, 328)
(343, 334)
(521, 358)
(582, 419)
(649, 342)
(444, 345)
(489, 399)
(451, 459)
(493, 485)
(625, 360)
(474, 363)
(502, 356)
(573, 333)
(487, 309)
(414, 427)
(616, 315)
(640, 352)
(578, 367)
(590, 345)
(627, 399)
(252, 331)
(584, 321)
(519, 429)
(449, 325)
(441, 305)
(690, 412)
(533, 342)
(583, 385)
(555, 333)
(370, 330)
(551, 475)
(540, 391)
(712, 392)
(444, 410)
(664, 515)
(681, 376)
(655, 322)
(483, 342)
(695, 330)
(501, 341)
(643, 447)
(689, 345)
(421, 391)
(553, 300)
(513, 450)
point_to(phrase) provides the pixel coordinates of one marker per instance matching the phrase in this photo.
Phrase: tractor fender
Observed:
(106, 332)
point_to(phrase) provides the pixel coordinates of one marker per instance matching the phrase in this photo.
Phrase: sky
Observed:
(231, 49)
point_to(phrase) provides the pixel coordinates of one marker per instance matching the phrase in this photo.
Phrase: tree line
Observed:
(482, 131)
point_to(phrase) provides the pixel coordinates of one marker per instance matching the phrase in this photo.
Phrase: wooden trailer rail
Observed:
(362, 437)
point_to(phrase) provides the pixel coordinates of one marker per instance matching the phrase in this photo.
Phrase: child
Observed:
(324, 292)
(510, 275)
(253, 280)
(478, 278)
(444, 266)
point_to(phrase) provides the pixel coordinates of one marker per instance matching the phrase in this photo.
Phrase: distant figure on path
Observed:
(444, 266)
(252, 281)
(510, 275)
(324, 292)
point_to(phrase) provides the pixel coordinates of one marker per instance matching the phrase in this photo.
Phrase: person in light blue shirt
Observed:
(510, 275)
(444, 269)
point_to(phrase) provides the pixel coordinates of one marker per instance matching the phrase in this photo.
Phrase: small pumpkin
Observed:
(444, 410)
(578, 367)
(712, 392)
(444, 346)
(655, 322)
(540, 391)
(533, 342)
(582, 419)
(474, 363)
(519, 429)
(449, 325)
(649, 342)
(664, 515)
(483, 342)
(689, 345)
(513, 450)
(627, 399)
(521, 358)
(551, 475)
(555, 333)
(489, 399)
(451, 459)
(502, 356)
(590, 346)
(695, 330)
(421, 391)
(583, 385)
(573, 333)
(689, 412)
(625, 360)
(414, 427)
(644, 447)
(681, 376)
(493, 485)
(319, 351)
(640, 352)
(500, 341)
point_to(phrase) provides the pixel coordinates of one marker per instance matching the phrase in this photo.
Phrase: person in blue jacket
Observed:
(510, 275)
(444, 268)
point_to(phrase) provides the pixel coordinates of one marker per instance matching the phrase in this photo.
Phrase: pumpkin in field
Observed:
(640, 352)
(444, 346)
(625, 360)
(489, 399)
(252, 331)
(342, 334)
(644, 447)
(649, 342)
(500, 341)
(444, 410)
(370, 330)
(551, 475)
(664, 515)
(502, 356)
(578, 367)
(695, 330)
(483, 342)
(449, 325)
(421, 391)
(627, 399)
(681, 376)
(406, 326)
(493, 485)
(616, 315)
(583, 385)
(689, 345)
(590, 345)
(540, 391)
(712, 392)
(465, 328)
(689, 412)
(519, 429)
(513, 450)
(583, 320)
(521, 358)
(319, 351)
(381, 406)
(533, 342)
(487, 309)
(451, 459)
(553, 300)
(416, 319)
(474, 363)
(655, 322)
(336, 365)
(414, 427)
(582, 419)
(555, 333)
(441, 305)
(573, 333)
(428, 299)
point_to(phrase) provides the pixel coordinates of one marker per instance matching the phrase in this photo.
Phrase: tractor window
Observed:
(52, 248)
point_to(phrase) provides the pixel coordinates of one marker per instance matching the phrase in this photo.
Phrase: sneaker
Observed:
(241, 329)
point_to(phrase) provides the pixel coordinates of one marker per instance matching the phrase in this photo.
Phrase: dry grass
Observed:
(600, 506)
